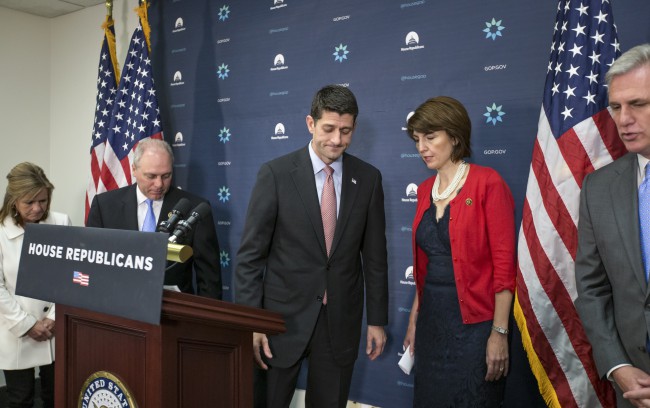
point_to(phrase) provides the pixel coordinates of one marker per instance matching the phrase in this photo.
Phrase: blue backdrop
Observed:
(235, 81)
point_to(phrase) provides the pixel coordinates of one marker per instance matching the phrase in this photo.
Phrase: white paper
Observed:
(406, 362)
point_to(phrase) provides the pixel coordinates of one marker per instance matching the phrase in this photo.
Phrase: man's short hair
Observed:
(334, 98)
(151, 144)
(629, 60)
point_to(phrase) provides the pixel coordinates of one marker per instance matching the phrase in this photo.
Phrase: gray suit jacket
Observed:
(613, 298)
(282, 263)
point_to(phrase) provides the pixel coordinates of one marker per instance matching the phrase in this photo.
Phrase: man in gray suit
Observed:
(613, 293)
(287, 262)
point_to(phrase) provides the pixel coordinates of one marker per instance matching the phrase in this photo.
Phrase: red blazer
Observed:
(482, 235)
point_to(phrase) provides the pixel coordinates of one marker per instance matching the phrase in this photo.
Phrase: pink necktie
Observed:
(328, 212)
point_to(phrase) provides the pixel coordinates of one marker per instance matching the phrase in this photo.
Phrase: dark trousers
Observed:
(328, 384)
(21, 386)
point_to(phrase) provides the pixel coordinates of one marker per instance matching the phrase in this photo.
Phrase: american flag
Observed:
(106, 92)
(80, 278)
(575, 136)
(135, 114)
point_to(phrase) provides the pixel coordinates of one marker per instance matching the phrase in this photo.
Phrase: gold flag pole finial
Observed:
(107, 26)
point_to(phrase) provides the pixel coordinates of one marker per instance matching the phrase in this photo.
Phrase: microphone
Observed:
(185, 226)
(181, 208)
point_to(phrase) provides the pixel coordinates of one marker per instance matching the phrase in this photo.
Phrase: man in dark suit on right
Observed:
(314, 242)
(614, 227)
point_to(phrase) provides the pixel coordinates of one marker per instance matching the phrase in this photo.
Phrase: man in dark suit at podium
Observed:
(139, 206)
(314, 242)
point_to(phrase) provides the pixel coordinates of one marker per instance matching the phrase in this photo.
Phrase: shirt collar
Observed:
(140, 197)
(642, 162)
(319, 165)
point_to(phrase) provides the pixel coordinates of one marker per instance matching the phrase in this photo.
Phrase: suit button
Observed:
(319, 299)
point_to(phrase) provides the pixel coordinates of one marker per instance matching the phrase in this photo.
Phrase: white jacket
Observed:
(17, 313)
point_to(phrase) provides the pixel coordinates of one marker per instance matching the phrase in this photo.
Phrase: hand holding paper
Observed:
(406, 362)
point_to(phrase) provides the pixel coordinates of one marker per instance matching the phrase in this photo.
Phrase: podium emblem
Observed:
(104, 390)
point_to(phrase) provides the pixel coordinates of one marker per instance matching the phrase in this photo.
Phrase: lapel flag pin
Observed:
(354, 181)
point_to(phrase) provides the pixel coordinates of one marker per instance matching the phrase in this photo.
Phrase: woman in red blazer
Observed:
(464, 266)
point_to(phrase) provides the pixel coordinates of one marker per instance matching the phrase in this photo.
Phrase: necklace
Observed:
(436, 196)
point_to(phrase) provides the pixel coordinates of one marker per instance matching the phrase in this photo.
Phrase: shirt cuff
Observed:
(609, 373)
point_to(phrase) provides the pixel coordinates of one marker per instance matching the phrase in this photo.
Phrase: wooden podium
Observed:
(201, 354)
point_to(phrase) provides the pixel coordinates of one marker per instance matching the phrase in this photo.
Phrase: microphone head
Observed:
(177, 213)
(185, 226)
(183, 206)
(202, 210)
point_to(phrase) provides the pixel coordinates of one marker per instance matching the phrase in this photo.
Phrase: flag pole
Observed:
(110, 36)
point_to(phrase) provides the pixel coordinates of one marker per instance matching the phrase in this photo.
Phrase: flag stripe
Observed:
(95, 171)
(610, 139)
(562, 178)
(558, 214)
(574, 154)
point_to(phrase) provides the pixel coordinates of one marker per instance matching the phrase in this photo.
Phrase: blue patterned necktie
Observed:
(149, 224)
(644, 219)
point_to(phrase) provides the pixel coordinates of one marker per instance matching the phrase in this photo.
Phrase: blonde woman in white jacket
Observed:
(26, 325)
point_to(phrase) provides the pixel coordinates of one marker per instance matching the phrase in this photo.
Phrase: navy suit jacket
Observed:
(118, 209)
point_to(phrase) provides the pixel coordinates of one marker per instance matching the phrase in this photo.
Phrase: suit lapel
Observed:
(303, 178)
(130, 208)
(348, 196)
(626, 212)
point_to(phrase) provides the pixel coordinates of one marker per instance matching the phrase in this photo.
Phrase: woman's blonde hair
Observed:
(26, 181)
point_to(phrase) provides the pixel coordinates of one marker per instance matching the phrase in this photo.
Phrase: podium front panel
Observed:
(207, 371)
(127, 349)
